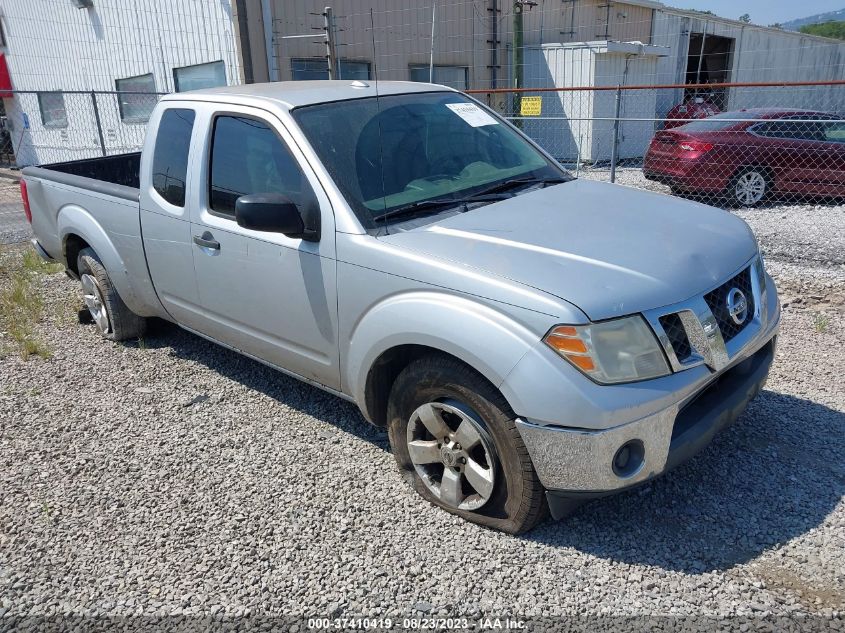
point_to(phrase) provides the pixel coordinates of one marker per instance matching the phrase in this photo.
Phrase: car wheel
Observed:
(749, 187)
(115, 321)
(455, 441)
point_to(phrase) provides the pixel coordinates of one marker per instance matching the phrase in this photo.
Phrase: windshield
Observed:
(436, 146)
(720, 122)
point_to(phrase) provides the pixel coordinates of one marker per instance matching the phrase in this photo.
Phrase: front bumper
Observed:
(574, 436)
(671, 438)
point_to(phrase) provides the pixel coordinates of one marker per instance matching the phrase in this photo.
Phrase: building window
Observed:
(247, 157)
(452, 76)
(52, 107)
(170, 159)
(316, 68)
(208, 75)
(136, 108)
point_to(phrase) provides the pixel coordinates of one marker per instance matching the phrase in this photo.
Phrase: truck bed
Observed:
(121, 169)
(96, 202)
(116, 176)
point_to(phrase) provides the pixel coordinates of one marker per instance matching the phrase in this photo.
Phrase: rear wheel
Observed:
(115, 321)
(454, 439)
(749, 187)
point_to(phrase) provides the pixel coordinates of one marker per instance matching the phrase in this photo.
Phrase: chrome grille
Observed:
(717, 302)
(674, 329)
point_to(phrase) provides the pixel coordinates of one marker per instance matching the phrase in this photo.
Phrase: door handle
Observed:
(207, 241)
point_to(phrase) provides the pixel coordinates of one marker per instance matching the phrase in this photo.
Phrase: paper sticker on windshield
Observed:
(472, 114)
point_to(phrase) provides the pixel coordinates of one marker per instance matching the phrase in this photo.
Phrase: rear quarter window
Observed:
(170, 158)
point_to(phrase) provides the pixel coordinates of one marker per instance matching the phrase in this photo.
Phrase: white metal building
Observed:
(155, 46)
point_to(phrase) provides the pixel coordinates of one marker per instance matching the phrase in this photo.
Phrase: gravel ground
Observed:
(175, 477)
(13, 225)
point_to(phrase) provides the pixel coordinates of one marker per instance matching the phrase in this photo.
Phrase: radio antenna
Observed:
(378, 119)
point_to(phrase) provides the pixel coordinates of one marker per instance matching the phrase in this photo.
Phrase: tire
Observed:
(115, 321)
(436, 387)
(749, 187)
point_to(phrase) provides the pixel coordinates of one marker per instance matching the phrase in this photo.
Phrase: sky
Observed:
(763, 12)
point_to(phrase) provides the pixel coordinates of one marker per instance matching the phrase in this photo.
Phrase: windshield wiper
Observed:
(494, 193)
(425, 206)
(516, 182)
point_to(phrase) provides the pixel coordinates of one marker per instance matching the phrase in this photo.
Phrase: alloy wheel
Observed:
(750, 188)
(453, 454)
(93, 298)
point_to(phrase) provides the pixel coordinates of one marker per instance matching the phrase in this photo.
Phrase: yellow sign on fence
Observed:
(530, 106)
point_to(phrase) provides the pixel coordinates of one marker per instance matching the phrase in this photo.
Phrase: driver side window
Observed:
(248, 157)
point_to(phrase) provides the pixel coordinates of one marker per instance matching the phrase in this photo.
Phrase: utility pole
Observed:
(431, 51)
(331, 44)
(494, 41)
(516, 55)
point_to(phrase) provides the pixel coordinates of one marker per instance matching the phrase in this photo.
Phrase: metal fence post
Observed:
(99, 124)
(614, 149)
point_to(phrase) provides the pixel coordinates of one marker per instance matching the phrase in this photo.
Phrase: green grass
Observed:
(21, 304)
(821, 322)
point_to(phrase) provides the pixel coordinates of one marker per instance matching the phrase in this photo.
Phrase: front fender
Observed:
(488, 340)
(74, 220)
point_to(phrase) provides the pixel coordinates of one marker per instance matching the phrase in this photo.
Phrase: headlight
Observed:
(621, 350)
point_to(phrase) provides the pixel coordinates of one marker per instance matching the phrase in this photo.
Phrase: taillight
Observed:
(25, 197)
(695, 146)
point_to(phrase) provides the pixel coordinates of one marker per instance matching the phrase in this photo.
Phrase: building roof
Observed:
(292, 94)
(699, 15)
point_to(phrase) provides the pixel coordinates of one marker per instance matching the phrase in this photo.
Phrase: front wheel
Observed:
(115, 321)
(454, 439)
(749, 187)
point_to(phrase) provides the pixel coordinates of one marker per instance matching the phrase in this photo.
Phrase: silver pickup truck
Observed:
(530, 341)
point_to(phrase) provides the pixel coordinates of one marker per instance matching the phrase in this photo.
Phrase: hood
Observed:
(608, 249)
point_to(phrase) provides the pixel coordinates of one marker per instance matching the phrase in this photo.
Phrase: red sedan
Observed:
(748, 154)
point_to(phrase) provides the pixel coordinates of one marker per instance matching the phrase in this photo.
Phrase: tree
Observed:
(745, 18)
(776, 25)
(834, 29)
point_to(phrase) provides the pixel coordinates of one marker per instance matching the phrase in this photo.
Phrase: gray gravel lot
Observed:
(13, 225)
(174, 476)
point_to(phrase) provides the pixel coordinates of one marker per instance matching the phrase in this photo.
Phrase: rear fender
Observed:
(74, 220)
(486, 339)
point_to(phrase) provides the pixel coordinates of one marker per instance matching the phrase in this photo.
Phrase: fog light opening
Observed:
(629, 459)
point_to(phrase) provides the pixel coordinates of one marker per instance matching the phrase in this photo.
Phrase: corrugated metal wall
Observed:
(554, 21)
(462, 32)
(578, 123)
(52, 45)
(759, 55)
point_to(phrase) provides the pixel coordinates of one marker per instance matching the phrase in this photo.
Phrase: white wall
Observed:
(577, 124)
(52, 45)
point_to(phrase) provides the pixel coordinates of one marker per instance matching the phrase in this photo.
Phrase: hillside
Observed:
(795, 25)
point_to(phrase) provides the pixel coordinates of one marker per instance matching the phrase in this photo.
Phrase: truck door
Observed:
(266, 294)
(165, 221)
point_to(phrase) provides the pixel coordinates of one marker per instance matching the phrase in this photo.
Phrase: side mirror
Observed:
(274, 213)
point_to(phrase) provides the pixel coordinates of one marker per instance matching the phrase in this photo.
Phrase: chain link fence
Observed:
(778, 142)
(41, 127)
(781, 143)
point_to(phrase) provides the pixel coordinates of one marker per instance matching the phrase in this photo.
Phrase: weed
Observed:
(821, 322)
(21, 304)
(32, 262)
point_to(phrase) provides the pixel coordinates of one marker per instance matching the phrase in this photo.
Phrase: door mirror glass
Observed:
(270, 212)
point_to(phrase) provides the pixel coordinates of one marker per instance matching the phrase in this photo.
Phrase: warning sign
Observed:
(530, 106)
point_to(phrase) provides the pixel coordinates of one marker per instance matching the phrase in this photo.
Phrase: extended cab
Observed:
(528, 340)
